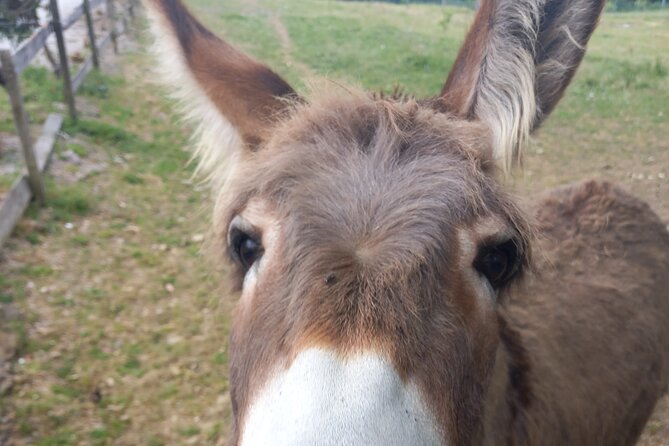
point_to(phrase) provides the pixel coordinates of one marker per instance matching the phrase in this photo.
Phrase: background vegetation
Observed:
(17, 18)
(612, 5)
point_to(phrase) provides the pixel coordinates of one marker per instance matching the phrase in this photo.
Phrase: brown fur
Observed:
(245, 91)
(594, 322)
(458, 91)
(329, 202)
(557, 57)
(372, 196)
(516, 63)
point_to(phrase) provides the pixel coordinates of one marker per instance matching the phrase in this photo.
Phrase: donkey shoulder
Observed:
(594, 315)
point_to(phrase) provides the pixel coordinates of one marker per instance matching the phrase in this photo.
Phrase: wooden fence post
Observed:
(111, 14)
(22, 127)
(64, 65)
(91, 34)
(52, 60)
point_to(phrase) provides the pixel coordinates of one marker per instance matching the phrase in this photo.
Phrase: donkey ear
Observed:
(230, 97)
(516, 61)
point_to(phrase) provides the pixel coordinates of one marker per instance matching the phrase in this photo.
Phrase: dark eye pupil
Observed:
(248, 251)
(498, 263)
(495, 266)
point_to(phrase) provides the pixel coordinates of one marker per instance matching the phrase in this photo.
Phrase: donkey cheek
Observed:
(325, 400)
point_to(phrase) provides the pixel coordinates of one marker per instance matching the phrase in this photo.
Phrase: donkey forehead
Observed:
(370, 175)
(355, 119)
(378, 157)
(378, 212)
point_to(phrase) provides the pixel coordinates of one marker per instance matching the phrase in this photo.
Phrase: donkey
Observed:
(388, 291)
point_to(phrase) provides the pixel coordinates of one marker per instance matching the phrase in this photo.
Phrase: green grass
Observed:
(249, 29)
(359, 51)
(109, 229)
(41, 93)
(67, 202)
(189, 431)
(109, 135)
(78, 149)
(99, 85)
(132, 178)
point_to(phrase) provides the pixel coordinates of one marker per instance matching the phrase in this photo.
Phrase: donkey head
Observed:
(371, 242)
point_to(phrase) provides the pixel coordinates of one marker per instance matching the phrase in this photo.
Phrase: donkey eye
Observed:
(498, 263)
(245, 248)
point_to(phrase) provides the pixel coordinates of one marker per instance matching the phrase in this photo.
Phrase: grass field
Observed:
(124, 326)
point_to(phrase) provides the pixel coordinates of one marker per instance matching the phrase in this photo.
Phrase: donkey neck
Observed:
(510, 391)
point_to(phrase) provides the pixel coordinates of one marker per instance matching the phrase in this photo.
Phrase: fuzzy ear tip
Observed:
(511, 81)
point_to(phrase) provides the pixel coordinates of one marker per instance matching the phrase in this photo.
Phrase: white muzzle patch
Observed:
(322, 400)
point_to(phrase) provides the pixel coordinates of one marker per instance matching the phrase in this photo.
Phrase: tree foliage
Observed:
(18, 18)
(613, 5)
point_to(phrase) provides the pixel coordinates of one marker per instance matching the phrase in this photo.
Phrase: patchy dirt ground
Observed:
(120, 309)
(121, 333)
